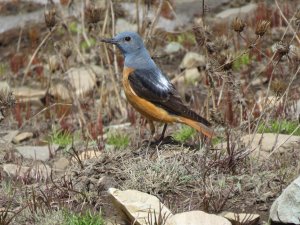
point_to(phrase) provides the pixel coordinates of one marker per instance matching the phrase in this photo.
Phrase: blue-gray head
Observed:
(127, 42)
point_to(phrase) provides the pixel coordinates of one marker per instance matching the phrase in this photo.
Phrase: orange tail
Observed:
(198, 126)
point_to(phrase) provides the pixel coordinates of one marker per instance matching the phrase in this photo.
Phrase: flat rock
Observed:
(22, 137)
(234, 12)
(199, 218)
(80, 80)
(4, 88)
(192, 60)
(261, 145)
(241, 218)
(89, 154)
(7, 136)
(27, 94)
(286, 208)
(173, 47)
(138, 206)
(61, 164)
(123, 25)
(37, 152)
(39, 171)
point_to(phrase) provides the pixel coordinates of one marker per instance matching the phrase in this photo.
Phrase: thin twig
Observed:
(35, 53)
(288, 23)
(155, 20)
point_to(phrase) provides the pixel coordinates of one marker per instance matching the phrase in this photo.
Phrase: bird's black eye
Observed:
(127, 38)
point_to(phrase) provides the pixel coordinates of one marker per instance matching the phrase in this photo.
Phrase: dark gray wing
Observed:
(152, 85)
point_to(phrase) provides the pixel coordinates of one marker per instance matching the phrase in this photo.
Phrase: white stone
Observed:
(286, 208)
(261, 145)
(198, 218)
(81, 80)
(191, 60)
(22, 137)
(123, 25)
(173, 47)
(138, 206)
(85, 155)
(38, 171)
(27, 94)
(234, 12)
(37, 152)
(7, 136)
(61, 164)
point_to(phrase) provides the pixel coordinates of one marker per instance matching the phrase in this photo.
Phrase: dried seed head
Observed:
(199, 35)
(224, 61)
(262, 27)
(92, 14)
(217, 117)
(66, 51)
(282, 48)
(279, 86)
(50, 19)
(218, 45)
(238, 25)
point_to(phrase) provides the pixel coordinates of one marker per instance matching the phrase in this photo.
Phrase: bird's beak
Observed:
(109, 40)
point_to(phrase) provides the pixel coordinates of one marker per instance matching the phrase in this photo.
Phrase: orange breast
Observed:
(146, 108)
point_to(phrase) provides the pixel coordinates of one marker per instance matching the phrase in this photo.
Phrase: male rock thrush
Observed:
(149, 91)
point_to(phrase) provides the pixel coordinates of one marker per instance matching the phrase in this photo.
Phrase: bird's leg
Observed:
(163, 133)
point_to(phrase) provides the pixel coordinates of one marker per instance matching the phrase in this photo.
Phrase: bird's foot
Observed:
(162, 141)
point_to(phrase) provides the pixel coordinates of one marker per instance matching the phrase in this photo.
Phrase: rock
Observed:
(105, 182)
(123, 25)
(258, 81)
(61, 164)
(192, 60)
(189, 76)
(81, 80)
(89, 154)
(37, 152)
(199, 218)
(184, 10)
(286, 208)
(39, 171)
(241, 218)
(7, 136)
(266, 197)
(137, 206)
(234, 12)
(192, 75)
(4, 88)
(22, 137)
(54, 63)
(261, 145)
(26, 94)
(173, 47)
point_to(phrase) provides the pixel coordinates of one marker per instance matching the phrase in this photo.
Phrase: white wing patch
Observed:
(163, 82)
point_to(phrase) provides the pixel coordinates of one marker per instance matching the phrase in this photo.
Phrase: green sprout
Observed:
(118, 140)
(60, 138)
(184, 134)
(241, 61)
(86, 218)
(282, 127)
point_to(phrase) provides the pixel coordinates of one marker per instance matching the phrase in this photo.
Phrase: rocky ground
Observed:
(71, 144)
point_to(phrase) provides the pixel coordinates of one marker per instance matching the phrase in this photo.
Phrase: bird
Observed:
(149, 90)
